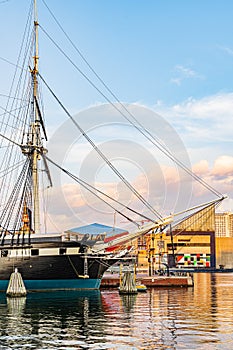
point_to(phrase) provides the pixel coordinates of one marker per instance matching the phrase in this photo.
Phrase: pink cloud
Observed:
(72, 206)
(223, 166)
(201, 168)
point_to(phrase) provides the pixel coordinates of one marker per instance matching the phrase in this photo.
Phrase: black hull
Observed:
(53, 265)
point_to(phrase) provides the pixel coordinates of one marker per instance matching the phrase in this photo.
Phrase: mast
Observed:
(36, 140)
(33, 148)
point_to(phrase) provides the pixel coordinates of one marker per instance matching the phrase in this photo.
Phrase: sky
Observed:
(169, 62)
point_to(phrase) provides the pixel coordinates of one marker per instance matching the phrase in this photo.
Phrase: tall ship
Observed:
(49, 261)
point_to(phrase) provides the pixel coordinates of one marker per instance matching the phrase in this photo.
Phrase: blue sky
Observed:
(145, 50)
(172, 57)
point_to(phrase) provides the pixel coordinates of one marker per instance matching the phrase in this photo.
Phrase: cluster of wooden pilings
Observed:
(128, 284)
(16, 287)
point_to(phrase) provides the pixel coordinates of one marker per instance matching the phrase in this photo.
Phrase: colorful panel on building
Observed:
(194, 260)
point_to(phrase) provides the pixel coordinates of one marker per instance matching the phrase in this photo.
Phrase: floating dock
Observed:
(113, 281)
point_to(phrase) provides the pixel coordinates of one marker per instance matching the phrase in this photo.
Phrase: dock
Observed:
(113, 281)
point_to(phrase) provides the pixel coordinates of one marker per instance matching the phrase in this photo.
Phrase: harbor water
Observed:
(199, 317)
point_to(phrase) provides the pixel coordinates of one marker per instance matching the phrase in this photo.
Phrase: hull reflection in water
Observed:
(199, 317)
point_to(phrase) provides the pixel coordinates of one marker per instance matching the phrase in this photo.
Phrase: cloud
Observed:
(182, 73)
(204, 125)
(213, 107)
(205, 120)
(185, 71)
(71, 206)
(201, 168)
(226, 49)
(219, 177)
(176, 81)
(223, 166)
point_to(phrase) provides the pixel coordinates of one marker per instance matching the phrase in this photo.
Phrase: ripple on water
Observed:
(200, 317)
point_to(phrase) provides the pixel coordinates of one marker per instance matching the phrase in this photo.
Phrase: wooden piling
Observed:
(128, 285)
(16, 287)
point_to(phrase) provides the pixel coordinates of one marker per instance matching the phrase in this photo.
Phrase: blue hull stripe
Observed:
(53, 285)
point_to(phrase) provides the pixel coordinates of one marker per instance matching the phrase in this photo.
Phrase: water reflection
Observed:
(164, 318)
(16, 305)
(49, 319)
(128, 302)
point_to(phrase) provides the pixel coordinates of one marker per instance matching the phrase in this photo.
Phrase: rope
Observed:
(76, 272)
(90, 188)
(137, 194)
(155, 141)
(8, 117)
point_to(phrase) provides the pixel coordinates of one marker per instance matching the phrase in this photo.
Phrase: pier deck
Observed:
(113, 281)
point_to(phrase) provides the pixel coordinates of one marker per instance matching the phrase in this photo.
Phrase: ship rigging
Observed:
(52, 261)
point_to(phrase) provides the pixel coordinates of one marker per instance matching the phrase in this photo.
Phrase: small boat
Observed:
(141, 287)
